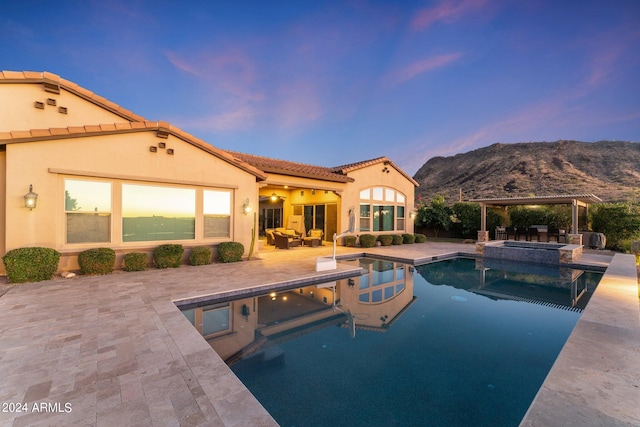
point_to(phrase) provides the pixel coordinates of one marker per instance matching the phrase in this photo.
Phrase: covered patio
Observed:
(575, 200)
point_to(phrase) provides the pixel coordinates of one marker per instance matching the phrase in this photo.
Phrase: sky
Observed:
(336, 82)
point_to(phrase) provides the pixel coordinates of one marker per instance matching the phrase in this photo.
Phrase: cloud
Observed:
(422, 66)
(447, 11)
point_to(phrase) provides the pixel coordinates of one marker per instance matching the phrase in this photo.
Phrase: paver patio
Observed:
(115, 350)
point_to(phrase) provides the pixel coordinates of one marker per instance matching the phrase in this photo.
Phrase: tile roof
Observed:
(161, 127)
(50, 78)
(285, 167)
(345, 169)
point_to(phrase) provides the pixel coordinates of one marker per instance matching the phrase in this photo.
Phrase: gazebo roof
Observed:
(559, 199)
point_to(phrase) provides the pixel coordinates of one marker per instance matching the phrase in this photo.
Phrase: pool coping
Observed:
(119, 350)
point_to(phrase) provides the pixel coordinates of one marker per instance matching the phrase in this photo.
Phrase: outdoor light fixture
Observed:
(274, 197)
(245, 206)
(413, 215)
(30, 198)
(351, 283)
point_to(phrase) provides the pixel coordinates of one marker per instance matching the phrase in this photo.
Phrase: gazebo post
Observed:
(483, 234)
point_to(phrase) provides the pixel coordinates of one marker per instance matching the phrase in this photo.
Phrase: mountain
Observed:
(608, 169)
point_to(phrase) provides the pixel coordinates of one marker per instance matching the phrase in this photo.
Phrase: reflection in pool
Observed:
(457, 342)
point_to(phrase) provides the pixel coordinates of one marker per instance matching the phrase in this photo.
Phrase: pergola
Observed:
(575, 200)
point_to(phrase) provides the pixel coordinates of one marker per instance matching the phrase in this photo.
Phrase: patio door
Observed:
(323, 217)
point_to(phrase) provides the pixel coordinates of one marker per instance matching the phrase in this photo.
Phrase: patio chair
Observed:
(269, 233)
(314, 238)
(532, 232)
(511, 231)
(282, 241)
(555, 233)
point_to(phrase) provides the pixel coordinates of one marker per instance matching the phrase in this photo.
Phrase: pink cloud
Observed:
(424, 65)
(447, 11)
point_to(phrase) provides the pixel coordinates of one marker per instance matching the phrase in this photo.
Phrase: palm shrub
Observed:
(385, 239)
(350, 241)
(168, 255)
(200, 255)
(31, 264)
(367, 240)
(408, 238)
(230, 251)
(97, 261)
(135, 261)
(397, 239)
(420, 238)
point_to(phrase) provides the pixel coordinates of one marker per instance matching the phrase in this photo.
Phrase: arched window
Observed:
(382, 209)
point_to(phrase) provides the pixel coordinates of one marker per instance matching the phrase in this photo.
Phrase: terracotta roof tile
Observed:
(76, 129)
(107, 127)
(50, 76)
(20, 134)
(40, 132)
(285, 167)
(92, 128)
(59, 131)
(54, 133)
(31, 75)
(36, 77)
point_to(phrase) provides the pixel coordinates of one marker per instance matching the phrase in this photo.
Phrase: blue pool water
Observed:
(455, 342)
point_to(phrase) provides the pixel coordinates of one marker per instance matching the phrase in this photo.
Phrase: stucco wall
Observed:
(373, 176)
(19, 113)
(117, 158)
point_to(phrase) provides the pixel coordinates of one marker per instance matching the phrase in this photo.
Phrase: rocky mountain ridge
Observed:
(608, 169)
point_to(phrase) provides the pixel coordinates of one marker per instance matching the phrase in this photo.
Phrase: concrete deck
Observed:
(115, 350)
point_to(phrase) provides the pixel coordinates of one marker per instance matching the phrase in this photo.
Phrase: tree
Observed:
(619, 222)
(436, 215)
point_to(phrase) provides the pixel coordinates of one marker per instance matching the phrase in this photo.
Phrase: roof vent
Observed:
(51, 101)
(163, 133)
(52, 87)
(39, 105)
(62, 110)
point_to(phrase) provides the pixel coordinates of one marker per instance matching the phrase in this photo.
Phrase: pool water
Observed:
(455, 342)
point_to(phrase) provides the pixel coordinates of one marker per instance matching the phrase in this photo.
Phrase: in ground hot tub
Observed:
(538, 252)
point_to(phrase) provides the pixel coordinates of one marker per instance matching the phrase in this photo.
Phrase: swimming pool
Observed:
(457, 342)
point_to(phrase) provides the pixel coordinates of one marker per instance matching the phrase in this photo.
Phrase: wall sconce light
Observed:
(351, 283)
(30, 199)
(413, 215)
(274, 197)
(313, 192)
(246, 208)
(245, 311)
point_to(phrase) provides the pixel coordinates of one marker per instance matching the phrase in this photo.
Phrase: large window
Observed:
(382, 281)
(381, 209)
(211, 320)
(217, 213)
(152, 213)
(87, 207)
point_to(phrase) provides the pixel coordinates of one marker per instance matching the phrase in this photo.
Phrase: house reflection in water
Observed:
(251, 327)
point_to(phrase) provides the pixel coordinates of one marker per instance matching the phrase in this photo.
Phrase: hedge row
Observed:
(34, 264)
(369, 240)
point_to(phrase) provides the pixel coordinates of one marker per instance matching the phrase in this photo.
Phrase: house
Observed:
(106, 177)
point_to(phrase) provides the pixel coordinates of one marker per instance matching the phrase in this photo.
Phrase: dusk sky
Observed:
(334, 82)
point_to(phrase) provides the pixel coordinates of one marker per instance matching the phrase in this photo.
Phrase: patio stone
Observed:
(119, 351)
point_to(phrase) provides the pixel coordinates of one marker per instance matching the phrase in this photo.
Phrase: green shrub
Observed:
(635, 247)
(420, 238)
(230, 251)
(397, 239)
(31, 264)
(350, 241)
(367, 240)
(169, 255)
(135, 261)
(200, 255)
(97, 261)
(385, 239)
(408, 238)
